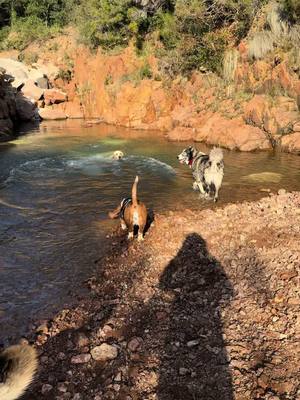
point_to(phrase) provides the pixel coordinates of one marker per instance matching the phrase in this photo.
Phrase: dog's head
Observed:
(187, 155)
(118, 155)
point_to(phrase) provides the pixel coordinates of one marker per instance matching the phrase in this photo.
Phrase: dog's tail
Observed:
(134, 192)
(216, 155)
(18, 365)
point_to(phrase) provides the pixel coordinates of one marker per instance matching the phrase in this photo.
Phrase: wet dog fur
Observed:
(117, 155)
(132, 214)
(18, 365)
(208, 170)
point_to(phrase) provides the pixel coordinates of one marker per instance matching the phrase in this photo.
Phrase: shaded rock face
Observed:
(8, 111)
(22, 89)
(14, 106)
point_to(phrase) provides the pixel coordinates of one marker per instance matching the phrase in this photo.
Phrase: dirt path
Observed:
(206, 308)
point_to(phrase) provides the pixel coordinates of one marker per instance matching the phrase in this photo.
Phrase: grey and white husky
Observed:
(208, 170)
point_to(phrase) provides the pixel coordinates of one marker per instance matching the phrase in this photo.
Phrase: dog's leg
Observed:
(195, 186)
(141, 233)
(201, 188)
(216, 196)
(123, 225)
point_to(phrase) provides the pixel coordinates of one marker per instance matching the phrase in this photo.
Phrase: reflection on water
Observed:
(57, 184)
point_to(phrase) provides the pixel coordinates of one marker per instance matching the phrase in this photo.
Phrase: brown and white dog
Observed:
(132, 213)
(18, 365)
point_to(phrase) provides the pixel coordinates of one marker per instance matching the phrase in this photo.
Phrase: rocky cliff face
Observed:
(242, 114)
(254, 107)
(8, 108)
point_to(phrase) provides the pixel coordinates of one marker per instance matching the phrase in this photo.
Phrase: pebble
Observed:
(193, 343)
(82, 340)
(104, 352)
(183, 371)
(46, 388)
(81, 359)
(135, 344)
(62, 387)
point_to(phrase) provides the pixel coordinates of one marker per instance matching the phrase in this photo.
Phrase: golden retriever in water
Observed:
(117, 155)
(132, 213)
(18, 365)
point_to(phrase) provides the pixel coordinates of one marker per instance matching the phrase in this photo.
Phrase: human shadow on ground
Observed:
(180, 327)
(194, 363)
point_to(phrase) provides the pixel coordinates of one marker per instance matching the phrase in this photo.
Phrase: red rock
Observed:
(255, 110)
(232, 134)
(54, 96)
(285, 119)
(72, 109)
(81, 359)
(291, 143)
(261, 70)
(181, 133)
(296, 127)
(135, 344)
(51, 113)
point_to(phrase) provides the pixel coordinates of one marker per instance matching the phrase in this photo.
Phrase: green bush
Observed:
(26, 30)
(105, 23)
(291, 10)
(187, 34)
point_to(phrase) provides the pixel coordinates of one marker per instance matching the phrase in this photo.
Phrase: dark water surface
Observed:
(58, 182)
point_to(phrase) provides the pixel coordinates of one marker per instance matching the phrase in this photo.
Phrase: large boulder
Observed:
(181, 133)
(6, 127)
(54, 96)
(15, 69)
(256, 110)
(48, 69)
(32, 91)
(232, 134)
(72, 109)
(25, 108)
(49, 113)
(291, 143)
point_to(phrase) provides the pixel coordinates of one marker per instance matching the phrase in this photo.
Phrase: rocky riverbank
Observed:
(207, 307)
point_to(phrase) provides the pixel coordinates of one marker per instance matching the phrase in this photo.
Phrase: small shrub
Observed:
(261, 44)
(145, 72)
(230, 64)
(108, 80)
(26, 30)
(28, 57)
(65, 74)
(277, 24)
(291, 10)
(4, 32)
(54, 47)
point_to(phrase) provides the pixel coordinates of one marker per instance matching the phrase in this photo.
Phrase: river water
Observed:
(57, 183)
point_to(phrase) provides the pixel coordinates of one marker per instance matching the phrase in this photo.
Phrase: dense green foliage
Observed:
(186, 34)
(23, 21)
(291, 10)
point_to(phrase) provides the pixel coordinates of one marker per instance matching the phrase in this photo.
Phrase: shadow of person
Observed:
(194, 362)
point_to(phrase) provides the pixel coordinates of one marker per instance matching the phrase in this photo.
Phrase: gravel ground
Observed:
(207, 307)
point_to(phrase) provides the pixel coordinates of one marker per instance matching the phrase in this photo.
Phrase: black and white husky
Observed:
(208, 170)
